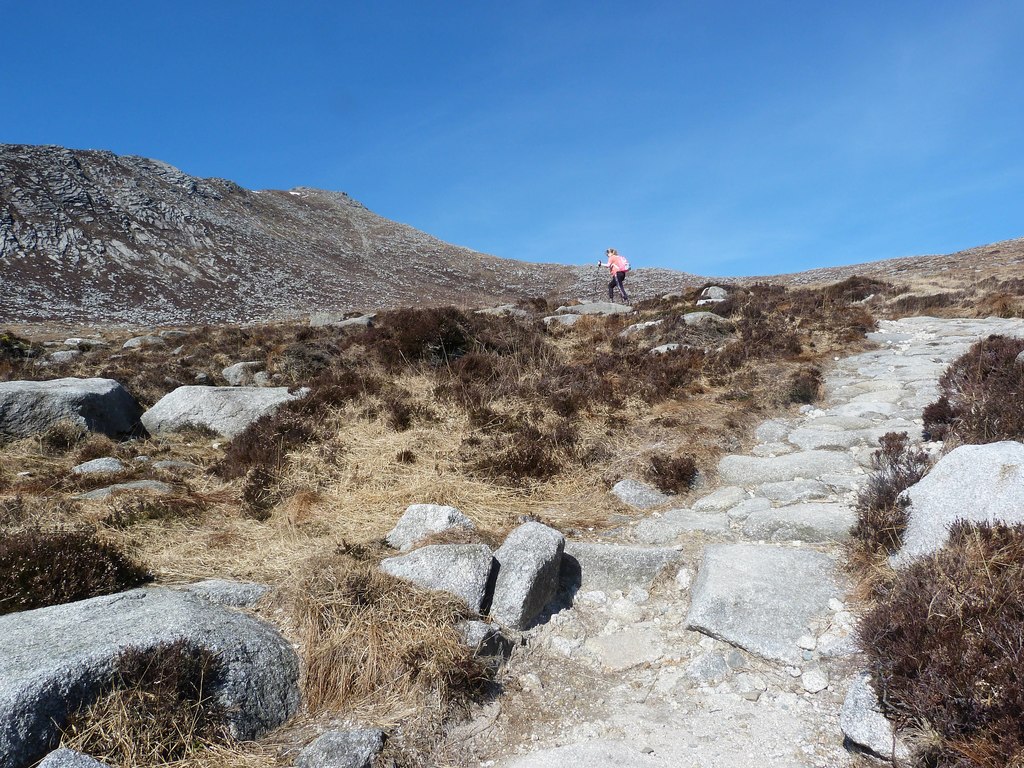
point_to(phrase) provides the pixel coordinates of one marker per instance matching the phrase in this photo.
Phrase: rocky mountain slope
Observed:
(93, 236)
(90, 236)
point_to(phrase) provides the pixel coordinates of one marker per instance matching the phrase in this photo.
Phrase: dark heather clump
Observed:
(981, 395)
(159, 708)
(944, 647)
(672, 474)
(881, 512)
(40, 568)
(805, 386)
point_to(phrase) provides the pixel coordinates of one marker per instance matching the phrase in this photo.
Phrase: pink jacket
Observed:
(617, 264)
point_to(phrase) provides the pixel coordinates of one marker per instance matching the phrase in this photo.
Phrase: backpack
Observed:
(624, 266)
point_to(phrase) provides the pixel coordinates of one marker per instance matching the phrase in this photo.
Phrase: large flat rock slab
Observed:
(608, 567)
(976, 483)
(100, 405)
(52, 660)
(801, 522)
(226, 410)
(761, 597)
(747, 471)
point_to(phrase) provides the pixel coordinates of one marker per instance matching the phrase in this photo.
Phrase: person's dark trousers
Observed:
(617, 281)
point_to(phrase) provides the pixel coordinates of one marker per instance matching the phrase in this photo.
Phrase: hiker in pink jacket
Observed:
(618, 266)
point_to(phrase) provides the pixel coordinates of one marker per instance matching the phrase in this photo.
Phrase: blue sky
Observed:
(722, 138)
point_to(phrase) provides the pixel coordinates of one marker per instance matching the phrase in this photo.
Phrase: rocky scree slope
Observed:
(92, 236)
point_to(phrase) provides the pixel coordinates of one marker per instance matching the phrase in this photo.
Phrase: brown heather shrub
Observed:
(943, 644)
(15, 352)
(881, 513)
(370, 637)
(981, 395)
(40, 568)
(1000, 305)
(127, 509)
(62, 436)
(524, 451)
(672, 474)
(95, 446)
(858, 288)
(915, 305)
(264, 443)
(765, 336)
(436, 335)
(259, 493)
(158, 708)
(805, 385)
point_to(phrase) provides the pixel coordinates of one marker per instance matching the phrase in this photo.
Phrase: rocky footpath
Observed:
(740, 651)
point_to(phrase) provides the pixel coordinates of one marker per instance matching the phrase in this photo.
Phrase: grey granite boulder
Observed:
(148, 486)
(721, 499)
(321, 319)
(747, 471)
(342, 749)
(639, 495)
(561, 319)
(505, 310)
(100, 405)
(242, 374)
(664, 349)
(637, 327)
(227, 410)
(801, 522)
(234, 594)
(528, 566)
(69, 758)
(791, 491)
(976, 483)
(714, 293)
(463, 570)
(140, 342)
(608, 567)
(666, 528)
(64, 356)
(596, 308)
(761, 597)
(706, 320)
(54, 659)
(105, 464)
(422, 520)
(866, 727)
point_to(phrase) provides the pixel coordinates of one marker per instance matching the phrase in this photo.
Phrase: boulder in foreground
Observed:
(463, 570)
(55, 659)
(761, 597)
(975, 483)
(226, 410)
(528, 567)
(100, 405)
(422, 520)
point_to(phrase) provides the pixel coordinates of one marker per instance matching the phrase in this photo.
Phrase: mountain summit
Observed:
(93, 236)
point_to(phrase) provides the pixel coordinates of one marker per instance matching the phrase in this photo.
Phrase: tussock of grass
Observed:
(373, 641)
(159, 710)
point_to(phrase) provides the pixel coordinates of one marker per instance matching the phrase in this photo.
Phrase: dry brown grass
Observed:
(372, 641)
